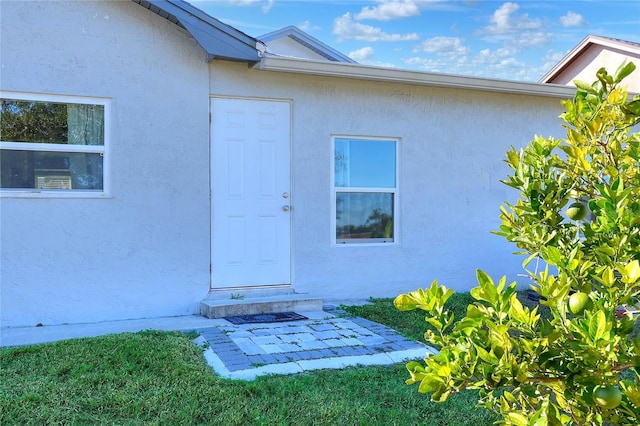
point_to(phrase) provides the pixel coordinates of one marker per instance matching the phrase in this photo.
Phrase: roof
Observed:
(218, 39)
(222, 41)
(420, 78)
(307, 41)
(611, 43)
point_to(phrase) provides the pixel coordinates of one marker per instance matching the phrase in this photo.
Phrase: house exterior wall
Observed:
(451, 151)
(144, 250)
(586, 65)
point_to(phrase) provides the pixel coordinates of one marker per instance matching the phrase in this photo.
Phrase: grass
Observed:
(410, 324)
(152, 377)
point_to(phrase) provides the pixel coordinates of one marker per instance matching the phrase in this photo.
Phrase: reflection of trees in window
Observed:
(27, 121)
(51, 122)
(378, 225)
(364, 215)
(29, 133)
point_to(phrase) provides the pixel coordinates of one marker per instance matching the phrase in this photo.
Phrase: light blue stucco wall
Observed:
(144, 251)
(452, 146)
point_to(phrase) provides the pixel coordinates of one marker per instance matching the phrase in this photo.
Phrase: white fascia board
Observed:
(394, 75)
(629, 47)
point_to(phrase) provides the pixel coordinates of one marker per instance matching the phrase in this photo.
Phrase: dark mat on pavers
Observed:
(265, 318)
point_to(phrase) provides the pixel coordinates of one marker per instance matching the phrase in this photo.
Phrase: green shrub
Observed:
(581, 364)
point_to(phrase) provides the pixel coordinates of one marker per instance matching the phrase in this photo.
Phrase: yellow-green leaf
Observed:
(405, 302)
(623, 71)
(597, 325)
(516, 419)
(631, 272)
(633, 393)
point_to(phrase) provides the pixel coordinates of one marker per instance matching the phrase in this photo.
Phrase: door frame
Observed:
(212, 287)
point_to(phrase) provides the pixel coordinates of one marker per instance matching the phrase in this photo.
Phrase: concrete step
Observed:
(219, 308)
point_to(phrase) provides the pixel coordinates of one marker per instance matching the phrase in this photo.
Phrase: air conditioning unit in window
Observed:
(52, 179)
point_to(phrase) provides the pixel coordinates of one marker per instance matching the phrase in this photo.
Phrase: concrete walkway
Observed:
(323, 341)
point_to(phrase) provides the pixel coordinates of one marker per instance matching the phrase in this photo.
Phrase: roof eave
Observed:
(394, 75)
(219, 40)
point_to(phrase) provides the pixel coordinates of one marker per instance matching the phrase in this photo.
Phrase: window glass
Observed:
(51, 145)
(364, 215)
(50, 170)
(365, 190)
(51, 122)
(365, 163)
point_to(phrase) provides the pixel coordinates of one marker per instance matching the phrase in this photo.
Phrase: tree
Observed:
(32, 121)
(580, 362)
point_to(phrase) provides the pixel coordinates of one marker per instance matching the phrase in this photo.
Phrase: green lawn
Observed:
(161, 378)
(410, 324)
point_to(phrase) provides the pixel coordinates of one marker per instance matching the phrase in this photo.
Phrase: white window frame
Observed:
(52, 147)
(395, 191)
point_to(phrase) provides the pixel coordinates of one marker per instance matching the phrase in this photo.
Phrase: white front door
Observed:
(250, 184)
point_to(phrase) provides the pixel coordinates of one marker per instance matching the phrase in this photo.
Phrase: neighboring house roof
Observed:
(293, 42)
(592, 53)
(218, 39)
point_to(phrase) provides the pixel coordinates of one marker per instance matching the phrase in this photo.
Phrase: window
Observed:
(365, 190)
(52, 145)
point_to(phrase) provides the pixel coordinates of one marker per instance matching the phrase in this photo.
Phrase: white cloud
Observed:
(501, 63)
(572, 19)
(307, 26)
(523, 39)
(532, 39)
(387, 10)
(504, 20)
(380, 64)
(267, 6)
(443, 46)
(345, 28)
(507, 51)
(553, 57)
(430, 65)
(362, 54)
(512, 29)
(441, 64)
(497, 63)
(498, 57)
(490, 56)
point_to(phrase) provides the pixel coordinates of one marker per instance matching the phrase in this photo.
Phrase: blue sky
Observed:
(518, 40)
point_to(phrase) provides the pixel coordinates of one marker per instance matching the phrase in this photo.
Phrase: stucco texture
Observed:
(143, 251)
(452, 146)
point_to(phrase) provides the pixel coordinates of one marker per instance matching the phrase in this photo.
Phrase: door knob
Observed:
(285, 195)
(285, 208)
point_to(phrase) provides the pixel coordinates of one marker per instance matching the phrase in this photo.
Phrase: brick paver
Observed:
(246, 350)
